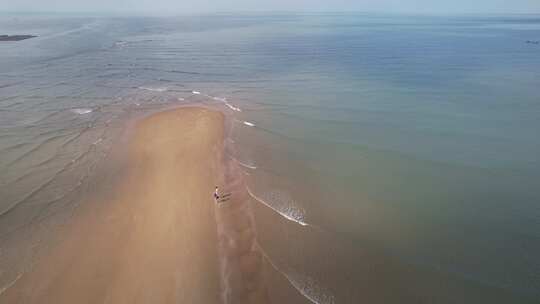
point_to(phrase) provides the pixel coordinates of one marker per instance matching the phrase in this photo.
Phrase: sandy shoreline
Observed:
(156, 236)
(155, 239)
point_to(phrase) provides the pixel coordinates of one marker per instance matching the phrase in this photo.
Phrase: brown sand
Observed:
(155, 239)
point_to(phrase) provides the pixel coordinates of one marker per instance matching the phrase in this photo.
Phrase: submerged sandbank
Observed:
(154, 238)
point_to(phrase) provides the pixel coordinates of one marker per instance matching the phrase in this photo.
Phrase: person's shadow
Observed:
(223, 198)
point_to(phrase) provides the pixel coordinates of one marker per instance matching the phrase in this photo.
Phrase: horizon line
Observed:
(141, 13)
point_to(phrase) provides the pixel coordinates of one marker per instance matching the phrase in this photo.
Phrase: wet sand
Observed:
(242, 263)
(154, 238)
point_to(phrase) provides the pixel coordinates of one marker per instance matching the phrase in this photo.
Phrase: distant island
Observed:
(15, 37)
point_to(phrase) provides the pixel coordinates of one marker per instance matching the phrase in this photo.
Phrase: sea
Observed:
(390, 158)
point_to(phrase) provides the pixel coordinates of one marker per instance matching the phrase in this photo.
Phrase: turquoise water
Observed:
(408, 141)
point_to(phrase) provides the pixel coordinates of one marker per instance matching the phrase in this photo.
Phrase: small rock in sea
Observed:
(15, 37)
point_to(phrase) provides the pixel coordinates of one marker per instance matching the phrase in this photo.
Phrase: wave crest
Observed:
(82, 111)
(282, 204)
(154, 89)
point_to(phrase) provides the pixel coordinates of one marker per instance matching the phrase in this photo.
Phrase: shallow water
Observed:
(390, 158)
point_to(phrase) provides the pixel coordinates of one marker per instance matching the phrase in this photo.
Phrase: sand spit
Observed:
(154, 238)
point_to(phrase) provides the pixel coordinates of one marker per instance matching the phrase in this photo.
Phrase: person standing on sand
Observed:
(221, 198)
(216, 193)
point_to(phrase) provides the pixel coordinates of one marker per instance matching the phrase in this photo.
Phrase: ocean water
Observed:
(391, 159)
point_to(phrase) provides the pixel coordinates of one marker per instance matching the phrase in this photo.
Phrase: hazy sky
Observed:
(196, 6)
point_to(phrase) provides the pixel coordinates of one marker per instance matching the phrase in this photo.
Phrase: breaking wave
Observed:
(82, 111)
(253, 167)
(304, 284)
(285, 206)
(230, 106)
(154, 89)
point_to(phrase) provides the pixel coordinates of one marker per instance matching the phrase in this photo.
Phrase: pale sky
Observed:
(208, 6)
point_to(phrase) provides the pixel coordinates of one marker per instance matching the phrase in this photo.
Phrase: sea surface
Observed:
(390, 158)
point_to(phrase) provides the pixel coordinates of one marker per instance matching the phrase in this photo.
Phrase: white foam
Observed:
(232, 107)
(247, 123)
(290, 212)
(120, 43)
(309, 288)
(305, 285)
(180, 99)
(252, 167)
(8, 286)
(82, 111)
(196, 92)
(156, 89)
(224, 100)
